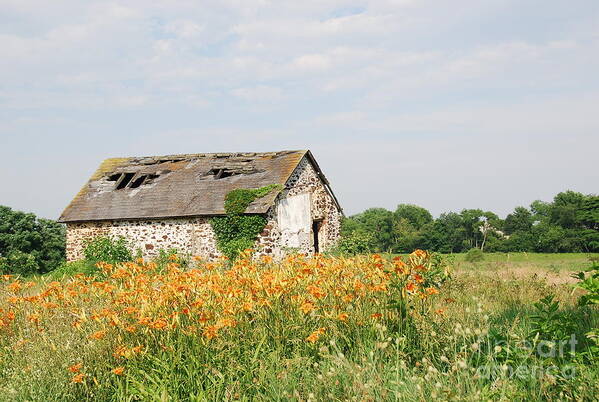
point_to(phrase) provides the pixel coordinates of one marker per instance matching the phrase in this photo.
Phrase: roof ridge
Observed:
(200, 154)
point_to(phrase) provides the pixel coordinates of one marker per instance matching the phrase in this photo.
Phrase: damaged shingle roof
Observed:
(179, 185)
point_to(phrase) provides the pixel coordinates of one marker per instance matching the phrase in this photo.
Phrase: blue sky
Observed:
(446, 104)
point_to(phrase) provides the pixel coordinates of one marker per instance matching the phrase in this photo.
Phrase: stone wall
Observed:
(195, 235)
(304, 180)
(189, 235)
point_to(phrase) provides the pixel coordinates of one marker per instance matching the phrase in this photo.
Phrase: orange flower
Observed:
(14, 287)
(376, 315)
(75, 368)
(160, 323)
(411, 287)
(313, 337)
(226, 322)
(118, 370)
(342, 316)
(267, 259)
(418, 253)
(98, 335)
(316, 292)
(211, 332)
(432, 291)
(307, 307)
(78, 378)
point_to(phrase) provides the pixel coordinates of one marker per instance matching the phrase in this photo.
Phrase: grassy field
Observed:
(548, 261)
(364, 328)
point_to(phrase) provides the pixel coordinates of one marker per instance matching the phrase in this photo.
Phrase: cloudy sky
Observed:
(448, 104)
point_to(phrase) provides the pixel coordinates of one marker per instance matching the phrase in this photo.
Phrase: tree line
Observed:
(569, 223)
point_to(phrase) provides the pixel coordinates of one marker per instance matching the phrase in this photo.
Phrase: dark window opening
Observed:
(114, 177)
(151, 177)
(315, 230)
(138, 182)
(125, 180)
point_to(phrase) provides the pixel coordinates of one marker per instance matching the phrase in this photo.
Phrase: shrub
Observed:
(68, 269)
(107, 249)
(549, 322)
(354, 243)
(474, 255)
(589, 282)
(171, 255)
(18, 262)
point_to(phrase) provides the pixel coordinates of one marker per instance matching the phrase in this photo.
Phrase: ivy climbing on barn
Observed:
(236, 231)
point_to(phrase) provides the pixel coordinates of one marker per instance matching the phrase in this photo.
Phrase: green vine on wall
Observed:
(236, 231)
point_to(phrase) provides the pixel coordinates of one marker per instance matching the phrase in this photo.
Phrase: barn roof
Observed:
(180, 185)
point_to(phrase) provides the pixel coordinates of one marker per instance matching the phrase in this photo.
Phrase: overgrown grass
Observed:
(440, 349)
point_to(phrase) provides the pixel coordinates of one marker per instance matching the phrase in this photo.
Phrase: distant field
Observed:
(554, 268)
(550, 261)
(542, 261)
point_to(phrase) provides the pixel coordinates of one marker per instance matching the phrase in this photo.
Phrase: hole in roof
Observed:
(125, 180)
(137, 182)
(151, 177)
(222, 173)
(114, 177)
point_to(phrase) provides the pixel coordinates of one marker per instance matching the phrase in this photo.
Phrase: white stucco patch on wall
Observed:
(295, 220)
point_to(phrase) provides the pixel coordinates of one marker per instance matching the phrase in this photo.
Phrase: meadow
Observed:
(413, 327)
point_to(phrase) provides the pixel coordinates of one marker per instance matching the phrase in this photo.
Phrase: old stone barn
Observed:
(166, 202)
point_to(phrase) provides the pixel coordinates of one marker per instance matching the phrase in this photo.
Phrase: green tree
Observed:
(520, 220)
(565, 209)
(409, 222)
(549, 238)
(378, 222)
(29, 244)
(472, 220)
(446, 234)
(414, 215)
(541, 210)
(588, 219)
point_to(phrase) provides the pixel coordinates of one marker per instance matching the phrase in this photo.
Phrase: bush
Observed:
(68, 269)
(107, 249)
(474, 255)
(171, 255)
(354, 243)
(18, 262)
